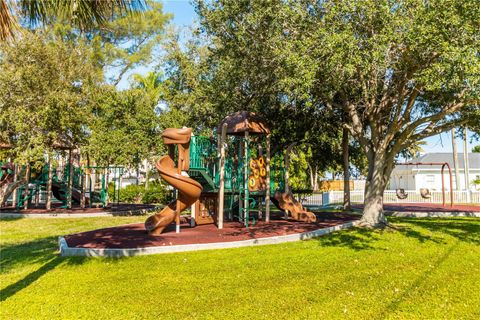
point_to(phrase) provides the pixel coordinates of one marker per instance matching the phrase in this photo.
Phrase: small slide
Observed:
(286, 202)
(59, 192)
(6, 174)
(6, 189)
(7, 186)
(189, 190)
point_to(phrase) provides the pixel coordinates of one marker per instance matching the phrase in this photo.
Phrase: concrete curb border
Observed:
(65, 250)
(139, 212)
(438, 214)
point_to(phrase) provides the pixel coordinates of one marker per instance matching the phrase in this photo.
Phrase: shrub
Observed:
(156, 193)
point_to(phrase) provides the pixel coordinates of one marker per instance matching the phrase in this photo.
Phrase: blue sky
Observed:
(184, 15)
(182, 10)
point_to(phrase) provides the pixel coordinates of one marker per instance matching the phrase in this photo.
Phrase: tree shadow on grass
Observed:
(421, 229)
(42, 251)
(463, 229)
(417, 284)
(356, 239)
(11, 219)
(32, 252)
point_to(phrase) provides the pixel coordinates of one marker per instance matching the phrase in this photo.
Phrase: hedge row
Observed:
(157, 193)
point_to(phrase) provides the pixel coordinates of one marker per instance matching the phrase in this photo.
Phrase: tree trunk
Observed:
(147, 174)
(27, 189)
(49, 184)
(379, 170)
(455, 161)
(346, 171)
(311, 176)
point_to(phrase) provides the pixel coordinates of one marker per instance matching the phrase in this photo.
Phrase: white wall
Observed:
(402, 179)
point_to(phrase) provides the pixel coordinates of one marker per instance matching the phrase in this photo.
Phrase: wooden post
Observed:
(245, 185)
(267, 196)
(37, 196)
(15, 179)
(70, 180)
(49, 185)
(179, 171)
(84, 189)
(240, 202)
(27, 190)
(346, 171)
(83, 180)
(221, 191)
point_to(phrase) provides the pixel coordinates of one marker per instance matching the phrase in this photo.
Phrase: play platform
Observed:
(132, 239)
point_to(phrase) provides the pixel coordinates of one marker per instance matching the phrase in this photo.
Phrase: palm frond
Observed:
(8, 23)
(84, 14)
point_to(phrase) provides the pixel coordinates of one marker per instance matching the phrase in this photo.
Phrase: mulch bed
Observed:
(135, 236)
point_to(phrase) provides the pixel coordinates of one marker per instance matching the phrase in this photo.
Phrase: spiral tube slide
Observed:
(189, 190)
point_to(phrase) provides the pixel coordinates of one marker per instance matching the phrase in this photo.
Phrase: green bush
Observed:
(156, 193)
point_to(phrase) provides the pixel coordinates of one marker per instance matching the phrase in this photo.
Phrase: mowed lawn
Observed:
(427, 269)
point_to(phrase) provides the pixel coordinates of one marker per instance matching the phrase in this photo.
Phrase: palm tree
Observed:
(84, 14)
(151, 83)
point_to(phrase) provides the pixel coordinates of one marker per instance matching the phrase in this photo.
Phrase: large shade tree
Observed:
(399, 71)
(46, 88)
(123, 129)
(205, 80)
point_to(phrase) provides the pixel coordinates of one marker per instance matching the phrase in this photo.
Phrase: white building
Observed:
(412, 177)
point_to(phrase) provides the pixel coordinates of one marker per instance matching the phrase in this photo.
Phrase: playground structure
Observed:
(22, 186)
(230, 176)
(189, 190)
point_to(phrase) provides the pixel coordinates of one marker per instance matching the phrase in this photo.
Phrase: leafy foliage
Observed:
(129, 41)
(84, 14)
(155, 193)
(392, 72)
(45, 91)
(123, 128)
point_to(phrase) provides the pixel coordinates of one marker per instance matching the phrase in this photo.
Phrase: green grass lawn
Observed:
(428, 269)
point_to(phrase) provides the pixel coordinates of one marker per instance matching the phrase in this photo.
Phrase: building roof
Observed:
(473, 159)
(240, 122)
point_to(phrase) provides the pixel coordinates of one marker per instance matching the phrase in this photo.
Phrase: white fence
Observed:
(390, 196)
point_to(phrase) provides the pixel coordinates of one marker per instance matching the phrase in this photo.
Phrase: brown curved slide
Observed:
(189, 190)
(286, 202)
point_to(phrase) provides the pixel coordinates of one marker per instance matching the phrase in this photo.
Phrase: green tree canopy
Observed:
(397, 71)
(123, 128)
(46, 88)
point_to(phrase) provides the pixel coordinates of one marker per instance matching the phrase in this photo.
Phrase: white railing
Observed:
(390, 196)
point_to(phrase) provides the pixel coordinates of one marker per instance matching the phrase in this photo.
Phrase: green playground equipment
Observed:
(69, 182)
(240, 203)
(96, 178)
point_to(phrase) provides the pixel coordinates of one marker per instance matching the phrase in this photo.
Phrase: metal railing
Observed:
(390, 196)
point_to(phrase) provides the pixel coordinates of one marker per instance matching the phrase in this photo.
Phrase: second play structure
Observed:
(228, 176)
(22, 186)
